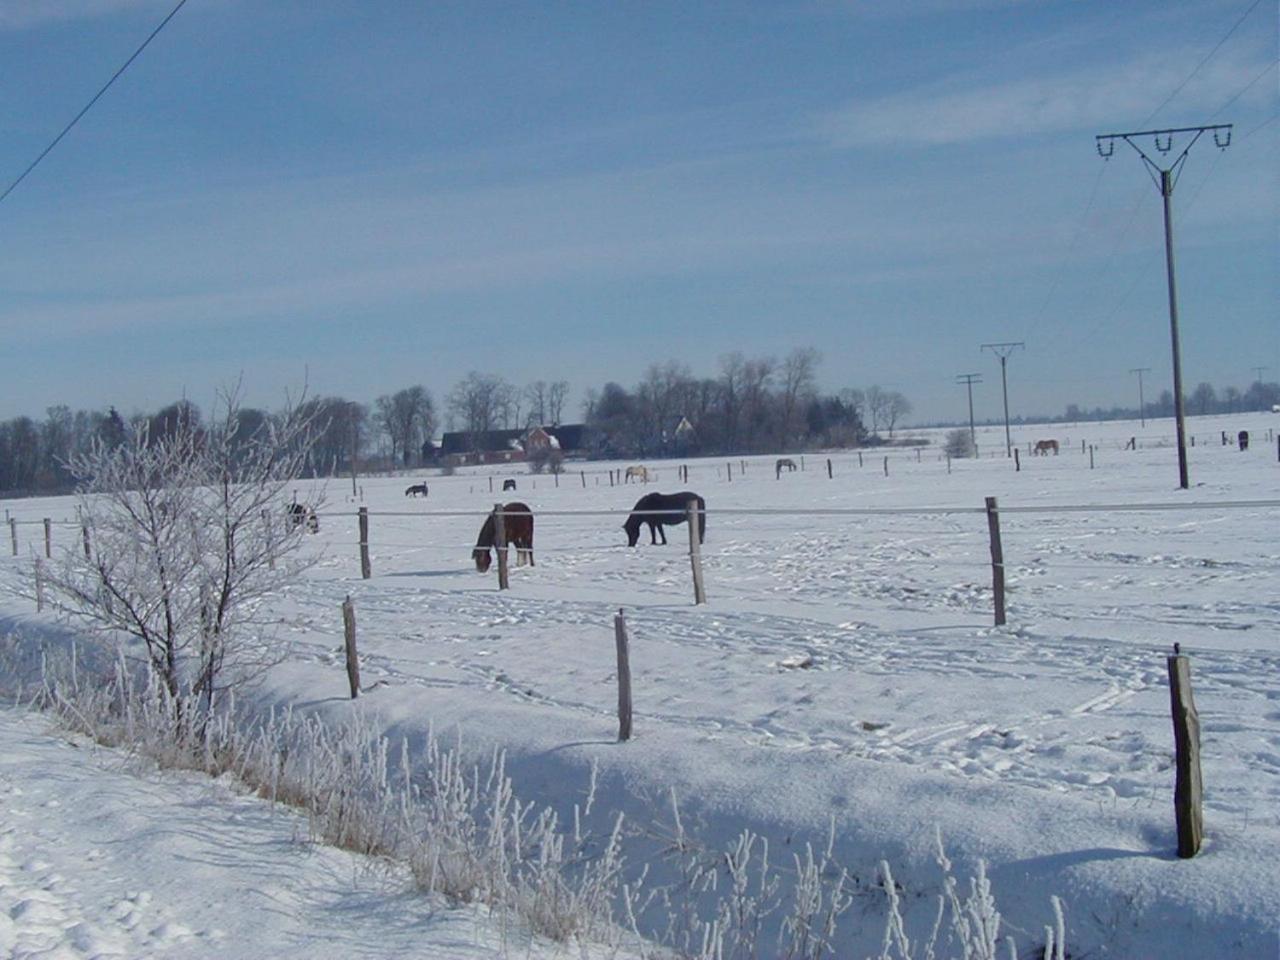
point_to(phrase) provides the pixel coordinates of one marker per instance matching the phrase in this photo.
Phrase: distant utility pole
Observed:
(1142, 405)
(1002, 350)
(969, 379)
(1165, 182)
(1258, 372)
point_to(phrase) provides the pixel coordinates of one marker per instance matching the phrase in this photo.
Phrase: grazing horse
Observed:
(784, 464)
(1044, 446)
(640, 473)
(517, 524)
(418, 489)
(677, 505)
(300, 513)
(508, 485)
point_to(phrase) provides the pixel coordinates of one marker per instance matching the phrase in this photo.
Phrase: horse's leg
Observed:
(662, 532)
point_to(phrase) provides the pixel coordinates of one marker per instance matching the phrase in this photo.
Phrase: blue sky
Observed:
(368, 196)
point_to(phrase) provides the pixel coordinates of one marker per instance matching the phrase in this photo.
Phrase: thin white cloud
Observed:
(25, 14)
(1091, 99)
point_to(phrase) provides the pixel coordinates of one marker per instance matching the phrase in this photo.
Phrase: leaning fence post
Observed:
(500, 546)
(366, 571)
(13, 533)
(1188, 785)
(695, 551)
(1017, 462)
(88, 552)
(584, 479)
(39, 584)
(997, 558)
(624, 677)
(829, 477)
(48, 538)
(353, 661)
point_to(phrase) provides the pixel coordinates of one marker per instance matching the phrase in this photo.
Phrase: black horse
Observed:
(517, 524)
(416, 490)
(677, 505)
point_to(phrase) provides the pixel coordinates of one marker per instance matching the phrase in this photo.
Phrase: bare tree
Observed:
(476, 403)
(1204, 397)
(188, 534)
(877, 406)
(798, 372)
(557, 392)
(896, 407)
(406, 417)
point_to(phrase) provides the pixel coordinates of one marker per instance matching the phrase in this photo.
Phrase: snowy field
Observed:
(101, 856)
(846, 668)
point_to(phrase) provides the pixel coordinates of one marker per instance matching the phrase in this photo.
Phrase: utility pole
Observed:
(1165, 182)
(969, 379)
(1002, 350)
(1258, 372)
(1142, 406)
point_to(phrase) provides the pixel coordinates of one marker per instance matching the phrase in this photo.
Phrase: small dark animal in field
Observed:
(784, 464)
(1044, 446)
(662, 509)
(417, 490)
(508, 485)
(300, 513)
(517, 524)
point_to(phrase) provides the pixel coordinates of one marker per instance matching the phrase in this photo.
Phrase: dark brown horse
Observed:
(661, 509)
(517, 524)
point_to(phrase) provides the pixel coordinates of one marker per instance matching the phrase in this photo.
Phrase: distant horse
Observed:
(299, 514)
(640, 473)
(517, 524)
(1044, 446)
(678, 506)
(508, 485)
(418, 489)
(783, 464)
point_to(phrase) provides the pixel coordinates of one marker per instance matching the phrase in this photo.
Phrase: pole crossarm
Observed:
(1163, 141)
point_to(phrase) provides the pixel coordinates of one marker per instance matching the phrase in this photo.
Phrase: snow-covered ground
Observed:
(847, 669)
(101, 856)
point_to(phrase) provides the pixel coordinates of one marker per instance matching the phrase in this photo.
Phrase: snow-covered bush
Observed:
(959, 444)
(184, 533)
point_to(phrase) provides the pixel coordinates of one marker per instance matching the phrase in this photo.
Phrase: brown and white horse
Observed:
(639, 473)
(1044, 446)
(517, 525)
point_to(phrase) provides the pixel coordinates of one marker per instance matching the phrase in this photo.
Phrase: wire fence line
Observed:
(829, 511)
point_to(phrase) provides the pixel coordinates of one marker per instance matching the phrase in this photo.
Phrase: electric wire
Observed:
(97, 96)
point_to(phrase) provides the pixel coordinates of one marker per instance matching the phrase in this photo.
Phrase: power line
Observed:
(76, 119)
(1207, 57)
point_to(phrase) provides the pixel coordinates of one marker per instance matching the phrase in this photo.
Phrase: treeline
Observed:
(1204, 400)
(35, 455)
(753, 405)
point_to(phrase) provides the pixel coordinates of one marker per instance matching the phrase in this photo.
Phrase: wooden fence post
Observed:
(500, 546)
(366, 571)
(997, 558)
(624, 677)
(729, 467)
(802, 463)
(88, 552)
(948, 463)
(886, 466)
(829, 476)
(48, 538)
(13, 534)
(695, 552)
(917, 454)
(1091, 456)
(611, 478)
(353, 661)
(39, 584)
(584, 479)
(1017, 461)
(1188, 786)
(859, 458)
